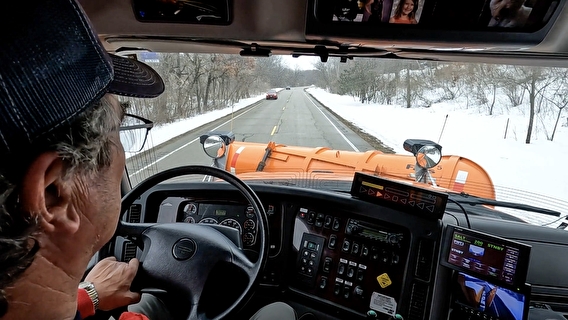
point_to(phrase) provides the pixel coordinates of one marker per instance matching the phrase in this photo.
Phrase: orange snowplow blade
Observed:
(454, 173)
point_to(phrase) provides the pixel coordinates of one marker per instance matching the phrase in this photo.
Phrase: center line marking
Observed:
(274, 130)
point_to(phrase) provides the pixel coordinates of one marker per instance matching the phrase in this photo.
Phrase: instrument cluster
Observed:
(240, 217)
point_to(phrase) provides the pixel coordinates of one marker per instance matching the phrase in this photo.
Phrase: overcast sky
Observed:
(303, 63)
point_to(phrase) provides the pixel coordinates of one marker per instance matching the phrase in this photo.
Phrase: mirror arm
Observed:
(423, 175)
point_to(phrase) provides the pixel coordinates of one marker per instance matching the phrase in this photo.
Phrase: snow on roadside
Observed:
(166, 132)
(532, 174)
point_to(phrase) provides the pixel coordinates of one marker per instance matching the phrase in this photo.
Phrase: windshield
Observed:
(509, 121)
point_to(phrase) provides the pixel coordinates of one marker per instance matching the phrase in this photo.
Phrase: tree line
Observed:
(539, 90)
(199, 83)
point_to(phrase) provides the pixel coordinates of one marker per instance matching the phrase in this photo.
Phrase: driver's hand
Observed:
(112, 280)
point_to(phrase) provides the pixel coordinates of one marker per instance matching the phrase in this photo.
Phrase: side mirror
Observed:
(428, 156)
(428, 153)
(214, 147)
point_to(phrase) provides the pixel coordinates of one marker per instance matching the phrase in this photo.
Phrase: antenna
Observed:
(443, 127)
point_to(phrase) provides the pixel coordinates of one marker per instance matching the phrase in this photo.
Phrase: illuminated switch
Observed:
(337, 289)
(365, 251)
(319, 220)
(332, 241)
(346, 292)
(327, 265)
(335, 226)
(323, 283)
(360, 275)
(355, 248)
(341, 268)
(328, 221)
(350, 272)
(346, 246)
(311, 245)
(374, 254)
(311, 217)
(358, 291)
(385, 256)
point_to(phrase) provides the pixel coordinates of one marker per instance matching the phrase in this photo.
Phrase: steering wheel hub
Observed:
(184, 249)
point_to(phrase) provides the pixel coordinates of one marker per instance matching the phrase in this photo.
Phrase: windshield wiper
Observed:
(464, 198)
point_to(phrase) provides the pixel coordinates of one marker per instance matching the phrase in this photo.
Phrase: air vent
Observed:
(425, 259)
(128, 251)
(418, 301)
(134, 213)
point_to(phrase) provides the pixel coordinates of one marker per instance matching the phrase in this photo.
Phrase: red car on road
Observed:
(271, 94)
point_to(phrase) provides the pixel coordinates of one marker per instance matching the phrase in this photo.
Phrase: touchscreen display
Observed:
(473, 295)
(484, 256)
(493, 258)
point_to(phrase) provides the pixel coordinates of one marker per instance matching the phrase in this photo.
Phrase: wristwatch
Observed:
(91, 291)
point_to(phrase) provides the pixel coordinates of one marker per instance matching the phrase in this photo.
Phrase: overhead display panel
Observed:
(513, 22)
(183, 11)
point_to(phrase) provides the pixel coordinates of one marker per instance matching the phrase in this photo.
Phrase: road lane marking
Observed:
(274, 130)
(185, 145)
(340, 133)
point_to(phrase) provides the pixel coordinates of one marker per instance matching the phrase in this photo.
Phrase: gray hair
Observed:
(85, 147)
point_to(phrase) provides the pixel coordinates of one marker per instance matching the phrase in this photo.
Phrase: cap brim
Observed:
(133, 78)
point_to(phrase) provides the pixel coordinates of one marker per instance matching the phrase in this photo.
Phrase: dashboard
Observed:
(340, 256)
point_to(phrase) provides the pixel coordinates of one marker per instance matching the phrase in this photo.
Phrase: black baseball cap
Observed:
(53, 67)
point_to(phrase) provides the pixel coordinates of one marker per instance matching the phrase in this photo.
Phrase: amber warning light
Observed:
(415, 200)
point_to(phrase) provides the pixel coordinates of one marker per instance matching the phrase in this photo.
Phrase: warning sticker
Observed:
(383, 304)
(384, 280)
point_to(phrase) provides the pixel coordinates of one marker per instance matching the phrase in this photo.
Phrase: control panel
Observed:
(354, 263)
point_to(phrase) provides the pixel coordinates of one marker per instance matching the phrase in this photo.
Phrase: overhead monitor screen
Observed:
(183, 11)
(446, 14)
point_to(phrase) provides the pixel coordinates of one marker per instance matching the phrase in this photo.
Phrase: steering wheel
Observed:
(178, 257)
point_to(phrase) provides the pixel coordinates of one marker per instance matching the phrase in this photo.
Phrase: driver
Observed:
(61, 164)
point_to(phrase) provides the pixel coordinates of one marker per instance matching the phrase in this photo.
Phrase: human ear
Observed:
(46, 193)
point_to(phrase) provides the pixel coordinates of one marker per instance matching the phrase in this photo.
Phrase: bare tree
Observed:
(534, 80)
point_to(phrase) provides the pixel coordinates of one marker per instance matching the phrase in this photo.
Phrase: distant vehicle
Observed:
(288, 88)
(271, 94)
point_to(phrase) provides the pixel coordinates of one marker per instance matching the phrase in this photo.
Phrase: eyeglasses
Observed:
(134, 132)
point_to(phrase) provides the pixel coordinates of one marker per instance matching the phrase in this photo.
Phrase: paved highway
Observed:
(293, 119)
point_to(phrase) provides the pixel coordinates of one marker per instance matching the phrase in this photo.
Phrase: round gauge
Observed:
(248, 239)
(232, 223)
(190, 208)
(249, 224)
(249, 212)
(208, 221)
(189, 220)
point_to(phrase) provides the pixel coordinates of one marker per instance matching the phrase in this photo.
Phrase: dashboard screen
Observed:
(473, 295)
(493, 258)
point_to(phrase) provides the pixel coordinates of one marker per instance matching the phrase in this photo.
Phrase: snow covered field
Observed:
(528, 173)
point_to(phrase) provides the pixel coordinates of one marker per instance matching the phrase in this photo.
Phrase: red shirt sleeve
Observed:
(84, 304)
(132, 316)
(86, 308)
